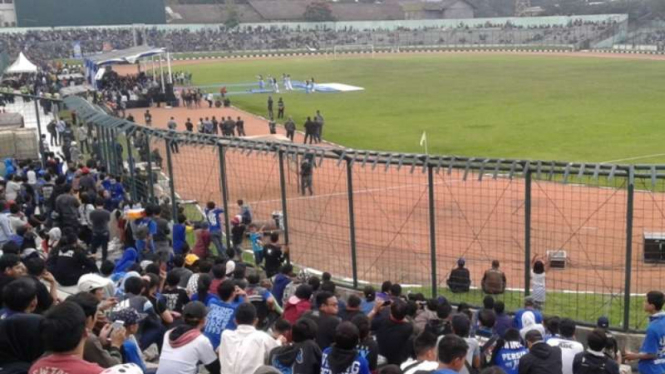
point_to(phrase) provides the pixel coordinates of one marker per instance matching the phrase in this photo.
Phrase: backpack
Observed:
(246, 216)
(591, 367)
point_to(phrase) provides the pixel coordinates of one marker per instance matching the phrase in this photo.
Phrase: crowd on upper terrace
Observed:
(50, 44)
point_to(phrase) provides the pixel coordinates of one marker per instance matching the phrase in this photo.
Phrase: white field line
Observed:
(633, 158)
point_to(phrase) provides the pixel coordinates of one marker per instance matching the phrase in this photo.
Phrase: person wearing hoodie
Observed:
(542, 358)
(281, 281)
(245, 349)
(185, 346)
(303, 355)
(298, 304)
(343, 357)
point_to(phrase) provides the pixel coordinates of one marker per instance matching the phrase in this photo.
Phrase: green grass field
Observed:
(526, 107)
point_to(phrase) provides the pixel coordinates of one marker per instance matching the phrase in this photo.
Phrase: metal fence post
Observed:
(42, 151)
(225, 192)
(352, 223)
(130, 161)
(432, 229)
(151, 181)
(527, 231)
(169, 165)
(629, 246)
(282, 186)
(105, 149)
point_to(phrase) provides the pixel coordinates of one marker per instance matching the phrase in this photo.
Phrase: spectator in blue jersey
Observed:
(214, 218)
(367, 345)
(116, 191)
(203, 287)
(221, 312)
(651, 356)
(180, 235)
(529, 308)
(343, 357)
(508, 351)
(452, 355)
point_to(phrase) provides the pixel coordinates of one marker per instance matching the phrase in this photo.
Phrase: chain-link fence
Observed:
(367, 217)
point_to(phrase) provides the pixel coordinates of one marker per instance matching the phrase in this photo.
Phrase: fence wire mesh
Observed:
(368, 217)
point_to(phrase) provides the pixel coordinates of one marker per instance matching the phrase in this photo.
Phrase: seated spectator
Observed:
(180, 270)
(36, 268)
(203, 287)
(508, 351)
(326, 318)
(425, 314)
(352, 308)
(64, 334)
(593, 360)
(176, 297)
(367, 347)
(343, 357)
(488, 304)
(542, 358)
(368, 302)
(184, 346)
(462, 328)
(298, 304)
(262, 300)
(303, 355)
(528, 309)
(281, 281)
(385, 291)
(460, 278)
(568, 345)
(503, 320)
(151, 328)
(531, 324)
(612, 349)
(11, 268)
(551, 324)
(452, 354)
(203, 267)
(441, 325)
(131, 352)
(103, 350)
(245, 349)
(68, 262)
(20, 297)
(424, 348)
(221, 311)
(393, 333)
(20, 342)
(486, 336)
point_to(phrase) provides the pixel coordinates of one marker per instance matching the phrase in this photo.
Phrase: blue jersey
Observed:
(255, 239)
(220, 317)
(359, 365)
(179, 237)
(508, 357)
(214, 220)
(140, 244)
(654, 343)
(517, 322)
(445, 371)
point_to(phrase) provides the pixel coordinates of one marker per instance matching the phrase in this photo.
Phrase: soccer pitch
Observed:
(482, 105)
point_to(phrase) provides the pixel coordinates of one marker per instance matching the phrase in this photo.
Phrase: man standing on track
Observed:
(310, 127)
(271, 114)
(306, 174)
(240, 126)
(290, 127)
(280, 108)
(172, 125)
(189, 125)
(320, 121)
(148, 117)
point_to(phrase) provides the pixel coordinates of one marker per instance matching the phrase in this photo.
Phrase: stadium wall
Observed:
(55, 13)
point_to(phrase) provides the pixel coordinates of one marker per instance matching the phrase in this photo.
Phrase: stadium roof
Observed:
(125, 56)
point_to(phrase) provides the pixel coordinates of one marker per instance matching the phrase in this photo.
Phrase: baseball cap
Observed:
(461, 261)
(529, 301)
(128, 315)
(603, 322)
(230, 267)
(194, 310)
(90, 282)
(190, 259)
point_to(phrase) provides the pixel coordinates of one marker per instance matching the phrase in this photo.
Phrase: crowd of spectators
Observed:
(44, 45)
(170, 303)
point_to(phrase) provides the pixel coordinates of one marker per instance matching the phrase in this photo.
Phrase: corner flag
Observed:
(423, 141)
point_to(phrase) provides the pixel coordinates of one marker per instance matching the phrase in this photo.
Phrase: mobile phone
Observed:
(117, 324)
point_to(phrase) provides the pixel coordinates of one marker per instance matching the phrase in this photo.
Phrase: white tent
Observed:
(21, 65)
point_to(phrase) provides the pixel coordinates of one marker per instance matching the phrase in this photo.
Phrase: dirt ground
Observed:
(477, 220)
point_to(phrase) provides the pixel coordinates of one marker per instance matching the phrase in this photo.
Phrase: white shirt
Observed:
(183, 360)
(569, 348)
(32, 177)
(538, 286)
(244, 350)
(424, 366)
(11, 190)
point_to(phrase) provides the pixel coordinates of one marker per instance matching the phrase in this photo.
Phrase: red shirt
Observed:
(64, 364)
